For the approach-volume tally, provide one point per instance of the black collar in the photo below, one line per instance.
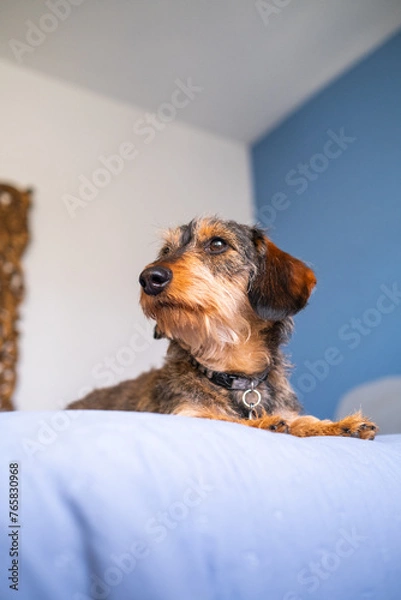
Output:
(230, 381)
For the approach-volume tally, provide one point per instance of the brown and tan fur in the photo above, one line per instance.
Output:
(229, 304)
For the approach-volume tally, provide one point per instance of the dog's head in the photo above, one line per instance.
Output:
(214, 280)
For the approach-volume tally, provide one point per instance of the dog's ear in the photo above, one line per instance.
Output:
(281, 285)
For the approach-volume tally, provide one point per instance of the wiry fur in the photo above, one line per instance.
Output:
(232, 311)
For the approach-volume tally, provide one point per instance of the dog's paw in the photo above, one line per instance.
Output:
(273, 423)
(357, 426)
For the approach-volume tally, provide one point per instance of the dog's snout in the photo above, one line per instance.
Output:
(155, 279)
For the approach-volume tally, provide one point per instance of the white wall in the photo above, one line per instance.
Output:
(81, 311)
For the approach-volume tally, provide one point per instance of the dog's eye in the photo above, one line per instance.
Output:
(216, 246)
(164, 251)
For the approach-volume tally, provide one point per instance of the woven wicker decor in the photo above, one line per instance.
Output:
(14, 237)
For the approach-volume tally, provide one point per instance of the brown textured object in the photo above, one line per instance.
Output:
(14, 236)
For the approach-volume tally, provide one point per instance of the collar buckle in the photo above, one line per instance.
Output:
(223, 379)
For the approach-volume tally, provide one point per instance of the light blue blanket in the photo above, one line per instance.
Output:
(151, 507)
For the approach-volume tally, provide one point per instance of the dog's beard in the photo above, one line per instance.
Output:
(197, 329)
(212, 320)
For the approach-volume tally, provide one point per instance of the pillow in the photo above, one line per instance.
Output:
(123, 505)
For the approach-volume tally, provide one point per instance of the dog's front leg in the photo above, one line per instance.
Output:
(355, 425)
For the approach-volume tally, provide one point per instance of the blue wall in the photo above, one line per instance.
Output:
(328, 188)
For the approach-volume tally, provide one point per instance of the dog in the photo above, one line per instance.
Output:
(224, 296)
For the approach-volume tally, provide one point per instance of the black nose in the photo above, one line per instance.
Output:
(155, 279)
